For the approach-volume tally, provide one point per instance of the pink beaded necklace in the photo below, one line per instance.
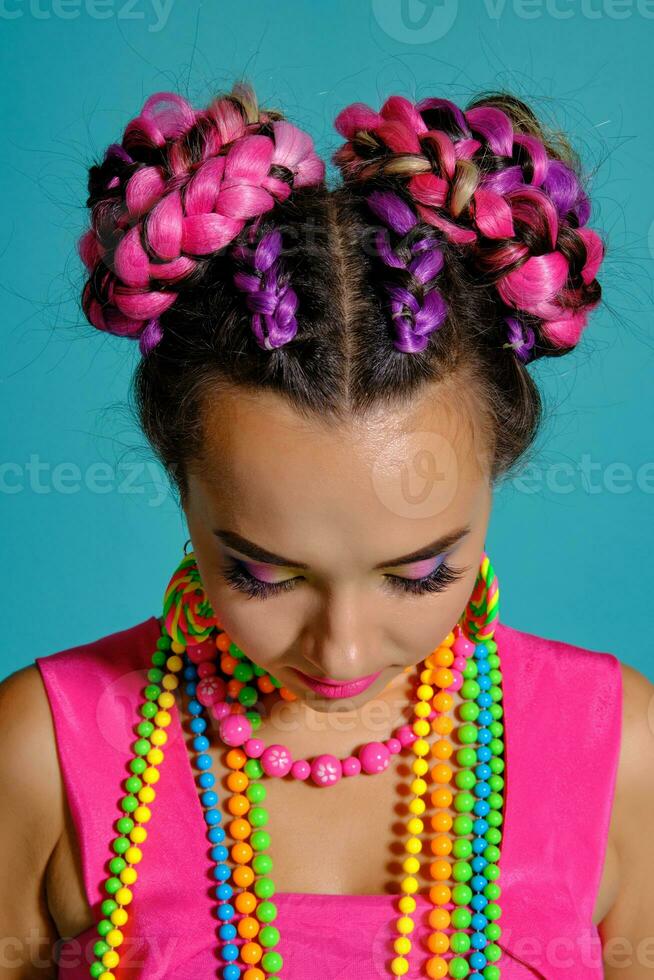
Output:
(222, 681)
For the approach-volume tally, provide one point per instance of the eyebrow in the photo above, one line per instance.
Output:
(254, 551)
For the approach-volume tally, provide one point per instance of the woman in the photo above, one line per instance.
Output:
(303, 349)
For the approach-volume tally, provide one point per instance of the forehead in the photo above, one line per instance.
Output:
(277, 477)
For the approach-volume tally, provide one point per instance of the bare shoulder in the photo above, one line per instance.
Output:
(31, 822)
(29, 765)
(628, 928)
(22, 695)
(636, 766)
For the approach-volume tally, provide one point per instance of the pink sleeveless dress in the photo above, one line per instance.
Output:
(563, 718)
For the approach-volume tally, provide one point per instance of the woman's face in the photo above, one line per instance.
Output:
(303, 533)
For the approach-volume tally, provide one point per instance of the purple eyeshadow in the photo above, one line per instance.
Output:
(270, 576)
(265, 573)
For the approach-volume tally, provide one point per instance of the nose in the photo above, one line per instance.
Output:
(340, 643)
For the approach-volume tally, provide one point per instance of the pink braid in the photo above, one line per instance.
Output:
(498, 192)
(161, 221)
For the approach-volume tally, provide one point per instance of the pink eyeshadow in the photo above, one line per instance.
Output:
(265, 573)
(423, 568)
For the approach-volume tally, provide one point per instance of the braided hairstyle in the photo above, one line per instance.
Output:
(456, 237)
(181, 187)
(487, 181)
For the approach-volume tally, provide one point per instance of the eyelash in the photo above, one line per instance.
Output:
(237, 576)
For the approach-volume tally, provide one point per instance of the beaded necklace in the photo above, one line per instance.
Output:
(222, 680)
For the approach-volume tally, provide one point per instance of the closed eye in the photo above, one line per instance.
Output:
(240, 579)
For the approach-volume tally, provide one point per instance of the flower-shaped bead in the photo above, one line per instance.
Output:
(210, 690)
(276, 760)
(326, 770)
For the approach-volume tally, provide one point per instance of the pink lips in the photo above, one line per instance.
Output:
(329, 688)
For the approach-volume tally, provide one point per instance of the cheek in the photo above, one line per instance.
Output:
(249, 624)
(432, 618)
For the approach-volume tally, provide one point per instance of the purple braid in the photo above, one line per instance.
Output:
(414, 320)
(269, 296)
(494, 185)
(521, 338)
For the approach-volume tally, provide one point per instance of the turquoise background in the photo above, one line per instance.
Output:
(573, 556)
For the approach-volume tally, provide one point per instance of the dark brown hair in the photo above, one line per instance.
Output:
(342, 360)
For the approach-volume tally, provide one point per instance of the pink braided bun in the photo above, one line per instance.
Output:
(515, 209)
(180, 188)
